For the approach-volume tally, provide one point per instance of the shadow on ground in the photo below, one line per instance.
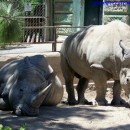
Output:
(60, 117)
(79, 117)
(69, 117)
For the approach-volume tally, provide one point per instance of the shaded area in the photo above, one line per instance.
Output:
(54, 117)
(80, 117)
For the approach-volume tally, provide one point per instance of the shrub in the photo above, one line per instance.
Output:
(10, 26)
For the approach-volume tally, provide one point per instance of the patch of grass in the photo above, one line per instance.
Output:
(2, 127)
(5, 127)
(23, 127)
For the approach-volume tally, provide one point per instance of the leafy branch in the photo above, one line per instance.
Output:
(10, 26)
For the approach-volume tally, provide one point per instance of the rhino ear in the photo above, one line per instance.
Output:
(125, 50)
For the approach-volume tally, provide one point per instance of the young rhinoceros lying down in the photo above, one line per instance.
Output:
(28, 83)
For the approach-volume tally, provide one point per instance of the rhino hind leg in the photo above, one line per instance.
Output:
(81, 87)
(117, 100)
(71, 95)
(68, 75)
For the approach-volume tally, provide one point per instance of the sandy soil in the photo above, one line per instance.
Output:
(79, 117)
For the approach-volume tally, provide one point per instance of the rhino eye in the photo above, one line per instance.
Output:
(21, 90)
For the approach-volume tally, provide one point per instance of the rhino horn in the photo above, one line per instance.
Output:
(39, 97)
(125, 50)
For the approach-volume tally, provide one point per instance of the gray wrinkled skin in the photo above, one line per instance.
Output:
(98, 53)
(28, 83)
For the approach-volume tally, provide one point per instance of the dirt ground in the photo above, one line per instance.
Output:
(78, 117)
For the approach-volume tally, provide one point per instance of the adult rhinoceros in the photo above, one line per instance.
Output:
(28, 83)
(98, 53)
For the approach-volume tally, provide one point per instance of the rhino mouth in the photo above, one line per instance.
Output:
(26, 111)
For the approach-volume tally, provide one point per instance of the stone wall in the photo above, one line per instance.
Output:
(53, 59)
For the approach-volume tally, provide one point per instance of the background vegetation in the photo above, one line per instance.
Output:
(10, 25)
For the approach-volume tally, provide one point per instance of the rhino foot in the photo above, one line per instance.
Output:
(118, 102)
(100, 102)
(85, 102)
(72, 102)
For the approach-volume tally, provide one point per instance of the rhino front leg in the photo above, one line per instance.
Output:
(117, 100)
(101, 92)
(100, 79)
(69, 77)
(81, 87)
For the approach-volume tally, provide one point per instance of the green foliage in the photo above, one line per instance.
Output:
(10, 31)
(1, 126)
(10, 26)
(23, 127)
(34, 1)
(5, 127)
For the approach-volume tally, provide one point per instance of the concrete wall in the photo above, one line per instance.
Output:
(53, 59)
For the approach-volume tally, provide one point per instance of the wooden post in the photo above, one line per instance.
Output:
(49, 20)
(128, 20)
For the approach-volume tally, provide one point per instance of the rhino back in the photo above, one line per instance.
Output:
(42, 64)
(71, 50)
(97, 45)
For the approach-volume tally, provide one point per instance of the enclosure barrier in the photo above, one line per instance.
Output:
(54, 28)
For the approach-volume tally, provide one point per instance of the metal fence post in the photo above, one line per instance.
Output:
(55, 41)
